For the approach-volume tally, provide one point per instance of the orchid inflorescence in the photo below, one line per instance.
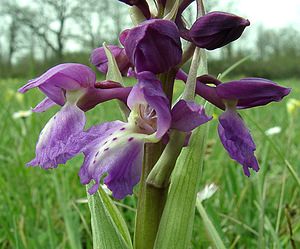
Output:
(149, 52)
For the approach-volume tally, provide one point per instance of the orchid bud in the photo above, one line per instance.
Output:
(154, 46)
(99, 59)
(217, 29)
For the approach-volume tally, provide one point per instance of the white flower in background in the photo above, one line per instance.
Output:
(207, 192)
(292, 105)
(22, 114)
(273, 131)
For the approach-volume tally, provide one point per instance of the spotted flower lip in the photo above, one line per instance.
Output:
(154, 46)
(217, 29)
(119, 150)
(99, 59)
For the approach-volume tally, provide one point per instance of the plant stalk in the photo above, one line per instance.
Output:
(151, 200)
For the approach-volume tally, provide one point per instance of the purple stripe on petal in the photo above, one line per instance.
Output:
(51, 148)
(237, 140)
(61, 78)
(187, 115)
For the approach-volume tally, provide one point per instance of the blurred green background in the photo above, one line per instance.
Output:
(47, 209)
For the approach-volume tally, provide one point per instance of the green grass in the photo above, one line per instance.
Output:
(40, 209)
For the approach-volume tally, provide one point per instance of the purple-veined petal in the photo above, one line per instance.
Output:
(237, 140)
(251, 92)
(141, 4)
(148, 91)
(187, 115)
(61, 78)
(44, 105)
(51, 148)
(119, 153)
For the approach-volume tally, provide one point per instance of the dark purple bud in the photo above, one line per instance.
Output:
(99, 59)
(141, 4)
(154, 46)
(217, 29)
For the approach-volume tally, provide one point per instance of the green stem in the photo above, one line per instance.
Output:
(150, 202)
(151, 199)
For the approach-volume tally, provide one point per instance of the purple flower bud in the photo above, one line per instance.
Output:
(141, 4)
(154, 46)
(99, 59)
(216, 29)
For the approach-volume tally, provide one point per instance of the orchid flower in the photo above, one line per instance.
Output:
(233, 95)
(153, 46)
(72, 87)
(119, 150)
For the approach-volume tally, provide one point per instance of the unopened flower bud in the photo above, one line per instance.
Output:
(217, 29)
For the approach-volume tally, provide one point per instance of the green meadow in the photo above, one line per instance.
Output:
(48, 209)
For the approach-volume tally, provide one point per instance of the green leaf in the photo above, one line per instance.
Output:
(113, 72)
(108, 226)
(175, 229)
(209, 226)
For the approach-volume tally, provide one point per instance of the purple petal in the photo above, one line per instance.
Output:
(154, 46)
(216, 29)
(44, 105)
(53, 146)
(252, 92)
(237, 140)
(61, 78)
(187, 115)
(117, 153)
(99, 59)
(148, 91)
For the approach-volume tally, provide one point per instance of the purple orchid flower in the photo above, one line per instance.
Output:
(153, 46)
(118, 151)
(72, 87)
(99, 59)
(233, 95)
(141, 4)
